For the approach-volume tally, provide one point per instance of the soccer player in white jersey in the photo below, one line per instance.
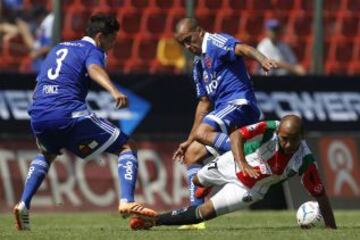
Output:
(226, 97)
(276, 151)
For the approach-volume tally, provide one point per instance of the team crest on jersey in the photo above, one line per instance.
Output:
(207, 61)
(205, 77)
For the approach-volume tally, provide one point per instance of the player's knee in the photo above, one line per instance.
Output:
(201, 135)
(196, 181)
(196, 152)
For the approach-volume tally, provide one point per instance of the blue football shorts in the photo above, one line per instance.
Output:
(232, 116)
(85, 136)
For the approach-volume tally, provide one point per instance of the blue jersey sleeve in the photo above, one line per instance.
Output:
(226, 51)
(95, 56)
(197, 75)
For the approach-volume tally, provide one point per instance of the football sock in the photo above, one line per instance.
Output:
(38, 169)
(187, 215)
(222, 143)
(127, 171)
(192, 171)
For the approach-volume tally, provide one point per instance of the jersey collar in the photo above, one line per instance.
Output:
(90, 40)
(204, 43)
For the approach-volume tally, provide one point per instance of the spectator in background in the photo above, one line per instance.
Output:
(272, 47)
(40, 44)
(10, 12)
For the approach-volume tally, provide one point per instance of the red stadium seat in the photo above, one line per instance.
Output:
(139, 3)
(145, 47)
(336, 68)
(301, 49)
(284, 5)
(303, 24)
(137, 66)
(103, 9)
(350, 25)
(262, 5)
(331, 25)
(328, 51)
(238, 4)
(130, 20)
(332, 5)
(254, 24)
(89, 3)
(354, 68)
(75, 21)
(306, 5)
(344, 51)
(213, 4)
(15, 48)
(116, 3)
(154, 21)
(168, 4)
(66, 4)
(173, 18)
(206, 20)
(123, 48)
(228, 22)
(353, 5)
(115, 66)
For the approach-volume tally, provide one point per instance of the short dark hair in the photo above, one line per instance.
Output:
(106, 24)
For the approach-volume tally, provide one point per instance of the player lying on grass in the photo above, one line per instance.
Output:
(275, 150)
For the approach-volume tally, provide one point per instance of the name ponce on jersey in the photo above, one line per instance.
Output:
(50, 89)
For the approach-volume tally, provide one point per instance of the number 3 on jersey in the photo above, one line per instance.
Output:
(61, 53)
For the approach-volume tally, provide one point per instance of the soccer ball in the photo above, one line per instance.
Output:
(308, 214)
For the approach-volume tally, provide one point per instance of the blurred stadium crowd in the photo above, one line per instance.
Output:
(145, 40)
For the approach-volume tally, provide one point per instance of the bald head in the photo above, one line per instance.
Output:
(186, 25)
(290, 133)
(291, 124)
(190, 35)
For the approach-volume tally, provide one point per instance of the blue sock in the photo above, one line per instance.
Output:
(38, 169)
(192, 171)
(222, 143)
(127, 171)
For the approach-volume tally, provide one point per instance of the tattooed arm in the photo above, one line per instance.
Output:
(250, 52)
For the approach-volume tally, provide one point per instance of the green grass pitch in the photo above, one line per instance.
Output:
(247, 225)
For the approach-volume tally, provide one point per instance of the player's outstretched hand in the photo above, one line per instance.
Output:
(179, 154)
(269, 64)
(121, 100)
(246, 169)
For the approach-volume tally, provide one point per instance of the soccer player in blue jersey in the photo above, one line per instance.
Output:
(226, 96)
(60, 117)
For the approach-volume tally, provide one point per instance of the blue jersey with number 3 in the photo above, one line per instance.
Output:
(63, 82)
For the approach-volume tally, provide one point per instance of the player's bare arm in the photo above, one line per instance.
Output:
(326, 210)
(99, 75)
(248, 51)
(237, 147)
(203, 108)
